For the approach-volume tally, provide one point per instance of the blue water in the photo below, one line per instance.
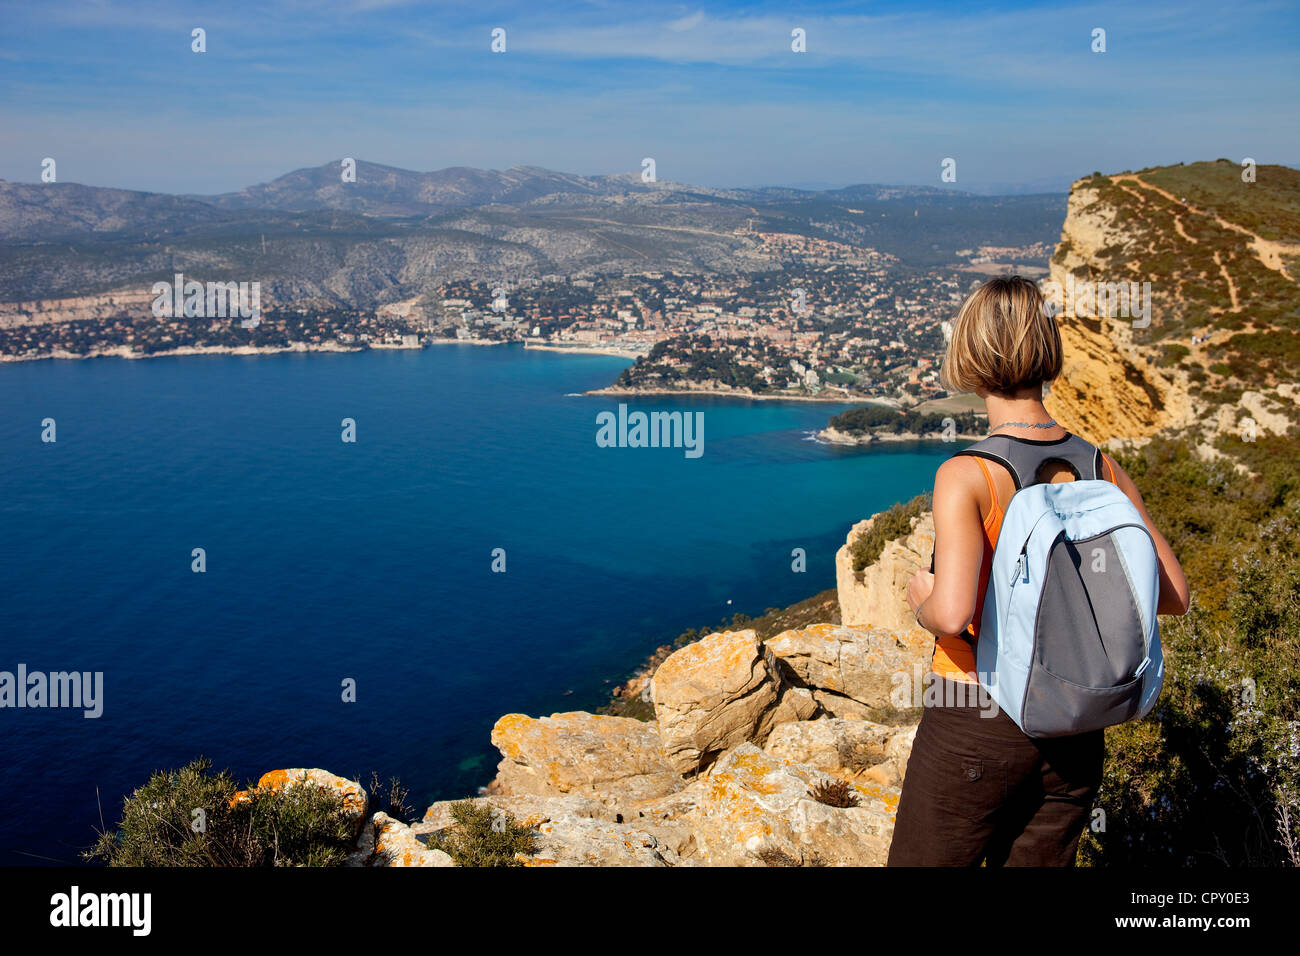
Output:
(370, 561)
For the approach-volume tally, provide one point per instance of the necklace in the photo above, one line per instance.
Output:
(1047, 424)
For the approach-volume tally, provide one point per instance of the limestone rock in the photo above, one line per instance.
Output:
(837, 705)
(878, 594)
(1108, 388)
(586, 842)
(608, 759)
(527, 808)
(396, 844)
(718, 692)
(866, 664)
(831, 743)
(1268, 415)
(572, 830)
(365, 849)
(754, 809)
(795, 703)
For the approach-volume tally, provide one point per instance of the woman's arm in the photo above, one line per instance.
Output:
(1174, 595)
(945, 601)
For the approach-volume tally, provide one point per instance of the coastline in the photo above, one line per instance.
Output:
(622, 392)
(442, 341)
(833, 436)
(125, 352)
(583, 350)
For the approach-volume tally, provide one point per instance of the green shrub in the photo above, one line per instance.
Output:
(1212, 777)
(1173, 354)
(889, 526)
(186, 818)
(482, 836)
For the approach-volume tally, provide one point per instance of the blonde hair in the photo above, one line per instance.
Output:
(1003, 340)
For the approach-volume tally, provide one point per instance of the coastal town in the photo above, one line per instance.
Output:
(828, 320)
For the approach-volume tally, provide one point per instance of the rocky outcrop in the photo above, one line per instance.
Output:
(352, 795)
(134, 303)
(739, 726)
(861, 663)
(1207, 294)
(848, 748)
(607, 759)
(393, 843)
(573, 830)
(527, 808)
(588, 842)
(877, 595)
(719, 692)
(1109, 387)
(752, 808)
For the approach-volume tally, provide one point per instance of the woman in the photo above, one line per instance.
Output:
(977, 788)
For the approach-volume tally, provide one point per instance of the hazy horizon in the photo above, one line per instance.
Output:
(712, 91)
(990, 189)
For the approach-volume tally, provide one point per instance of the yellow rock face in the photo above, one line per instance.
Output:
(878, 595)
(719, 692)
(1108, 388)
(604, 758)
(860, 662)
(753, 807)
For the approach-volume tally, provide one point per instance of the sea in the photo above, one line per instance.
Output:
(257, 590)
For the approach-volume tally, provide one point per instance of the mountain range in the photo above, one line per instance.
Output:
(393, 233)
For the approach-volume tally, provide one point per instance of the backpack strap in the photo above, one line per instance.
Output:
(1023, 457)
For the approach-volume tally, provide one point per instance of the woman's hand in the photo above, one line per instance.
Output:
(919, 588)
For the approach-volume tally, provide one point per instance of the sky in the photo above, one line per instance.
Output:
(714, 93)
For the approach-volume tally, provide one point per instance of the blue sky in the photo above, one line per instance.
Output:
(885, 91)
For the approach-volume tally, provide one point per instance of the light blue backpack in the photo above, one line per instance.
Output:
(1068, 640)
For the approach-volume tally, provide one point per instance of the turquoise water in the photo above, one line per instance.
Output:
(372, 561)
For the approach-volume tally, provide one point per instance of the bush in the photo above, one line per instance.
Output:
(482, 836)
(185, 818)
(390, 798)
(889, 526)
(1212, 777)
(1173, 354)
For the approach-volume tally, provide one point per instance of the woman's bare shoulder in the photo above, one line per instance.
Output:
(959, 475)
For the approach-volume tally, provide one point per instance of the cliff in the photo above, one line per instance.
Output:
(1176, 289)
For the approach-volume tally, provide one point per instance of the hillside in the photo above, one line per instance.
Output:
(1223, 261)
(395, 234)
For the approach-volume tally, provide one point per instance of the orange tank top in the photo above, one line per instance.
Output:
(954, 657)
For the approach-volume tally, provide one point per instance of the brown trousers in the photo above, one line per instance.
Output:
(978, 790)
